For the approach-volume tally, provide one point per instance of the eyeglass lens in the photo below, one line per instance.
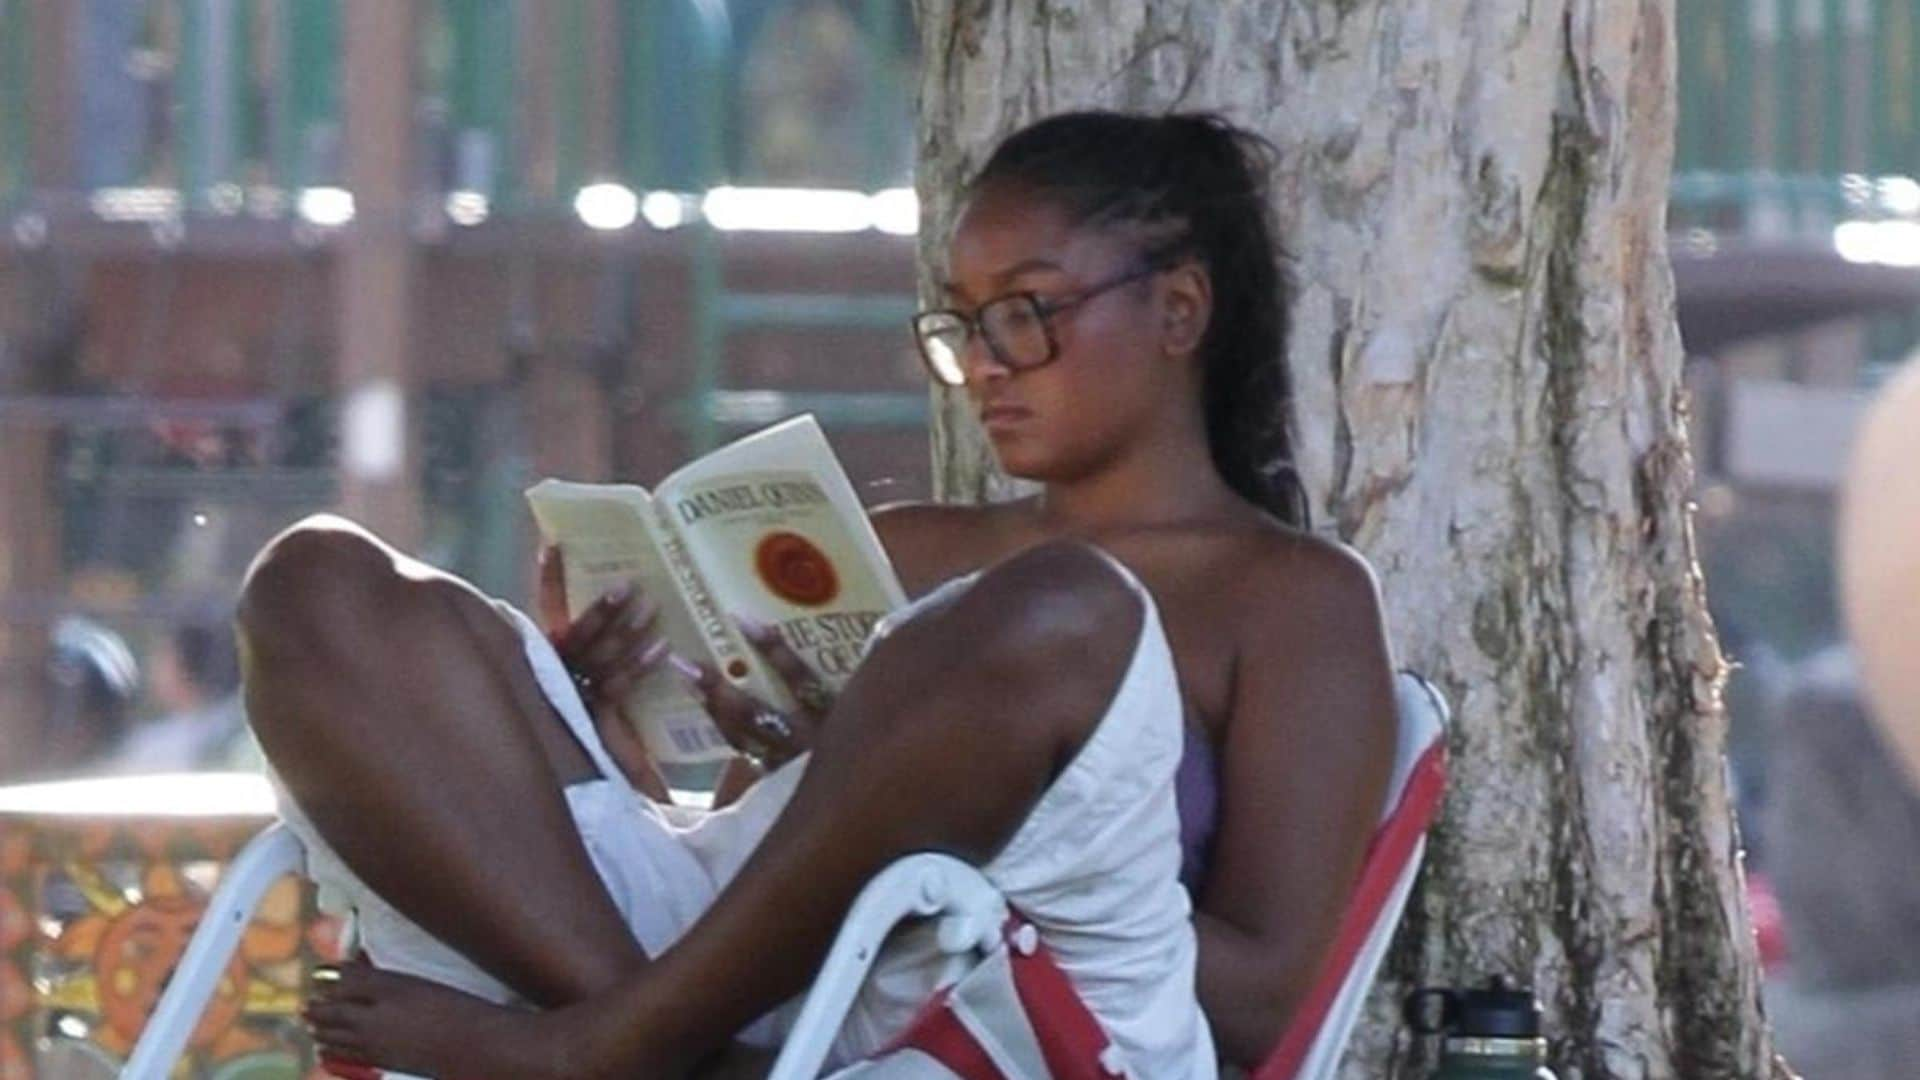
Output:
(1015, 330)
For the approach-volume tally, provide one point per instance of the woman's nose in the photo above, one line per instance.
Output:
(979, 361)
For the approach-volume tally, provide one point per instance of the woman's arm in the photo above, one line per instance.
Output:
(1304, 769)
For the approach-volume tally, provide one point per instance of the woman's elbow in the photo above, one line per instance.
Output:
(1249, 1025)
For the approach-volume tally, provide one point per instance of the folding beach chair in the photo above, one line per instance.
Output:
(1013, 1015)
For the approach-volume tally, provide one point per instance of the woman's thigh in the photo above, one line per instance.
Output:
(401, 712)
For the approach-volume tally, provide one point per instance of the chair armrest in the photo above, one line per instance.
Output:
(971, 912)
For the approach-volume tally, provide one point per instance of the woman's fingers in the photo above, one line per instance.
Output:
(606, 633)
(344, 982)
(747, 724)
(619, 681)
(731, 709)
(611, 642)
(584, 631)
(813, 695)
(552, 597)
(344, 1060)
(335, 1026)
(622, 641)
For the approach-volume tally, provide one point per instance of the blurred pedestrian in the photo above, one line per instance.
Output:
(92, 680)
(194, 681)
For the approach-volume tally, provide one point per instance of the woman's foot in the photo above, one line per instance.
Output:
(376, 1018)
(366, 1020)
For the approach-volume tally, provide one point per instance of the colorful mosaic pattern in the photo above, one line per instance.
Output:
(95, 912)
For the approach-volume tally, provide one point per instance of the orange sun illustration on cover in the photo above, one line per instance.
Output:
(796, 571)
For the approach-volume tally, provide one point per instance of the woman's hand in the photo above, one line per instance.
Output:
(607, 650)
(767, 736)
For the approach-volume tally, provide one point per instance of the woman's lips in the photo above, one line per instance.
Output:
(1003, 415)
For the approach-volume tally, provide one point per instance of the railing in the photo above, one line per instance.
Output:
(524, 102)
(1778, 98)
(1796, 114)
(1800, 126)
(16, 117)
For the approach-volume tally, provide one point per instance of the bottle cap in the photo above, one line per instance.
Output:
(1496, 1011)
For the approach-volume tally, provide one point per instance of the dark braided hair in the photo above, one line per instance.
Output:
(1197, 187)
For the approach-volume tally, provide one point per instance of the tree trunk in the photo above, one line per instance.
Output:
(1488, 405)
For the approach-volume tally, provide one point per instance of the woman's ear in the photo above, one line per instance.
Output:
(1186, 308)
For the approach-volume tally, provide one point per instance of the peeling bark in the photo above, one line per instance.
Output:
(1488, 404)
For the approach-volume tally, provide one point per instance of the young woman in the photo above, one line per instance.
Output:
(1115, 312)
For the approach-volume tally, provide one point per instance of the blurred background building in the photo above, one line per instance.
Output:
(1795, 229)
(262, 257)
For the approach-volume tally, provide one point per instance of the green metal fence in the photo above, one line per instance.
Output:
(1782, 101)
(524, 102)
(16, 121)
(1778, 98)
(306, 111)
(246, 95)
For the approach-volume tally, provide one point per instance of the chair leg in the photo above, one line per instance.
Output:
(268, 857)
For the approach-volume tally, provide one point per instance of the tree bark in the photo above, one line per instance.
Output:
(1488, 405)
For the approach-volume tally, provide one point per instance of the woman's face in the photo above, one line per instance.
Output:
(1110, 376)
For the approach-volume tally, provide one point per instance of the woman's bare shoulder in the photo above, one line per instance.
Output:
(1299, 581)
(1314, 664)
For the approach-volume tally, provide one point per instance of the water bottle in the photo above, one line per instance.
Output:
(1488, 1034)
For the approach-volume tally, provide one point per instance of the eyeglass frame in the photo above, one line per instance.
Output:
(1043, 310)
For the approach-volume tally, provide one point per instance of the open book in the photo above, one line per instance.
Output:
(767, 528)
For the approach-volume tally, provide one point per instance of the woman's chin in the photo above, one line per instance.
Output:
(1024, 455)
(1029, 467)
(1017, 460)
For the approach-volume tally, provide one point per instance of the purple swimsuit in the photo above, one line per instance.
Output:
(1196, 791)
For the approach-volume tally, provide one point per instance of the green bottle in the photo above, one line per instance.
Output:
(1487, 1034)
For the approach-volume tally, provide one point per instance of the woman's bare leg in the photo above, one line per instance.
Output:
(398, 707)
(945, 739)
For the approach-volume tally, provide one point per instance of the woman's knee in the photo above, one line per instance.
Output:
(1053, 627)
(1060, 596)
(315, 572)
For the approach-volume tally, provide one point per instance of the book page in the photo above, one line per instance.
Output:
(605, 541)
(780, 537)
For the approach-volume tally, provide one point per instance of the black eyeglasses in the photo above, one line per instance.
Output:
(1014, 326)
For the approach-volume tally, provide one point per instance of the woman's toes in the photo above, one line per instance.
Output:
(339, 1045)
(347, 1066)
(323, 1011)
(357, 982)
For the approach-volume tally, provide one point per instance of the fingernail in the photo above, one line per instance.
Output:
(685, 666)
(640, 615)
(326, 973)
(755, 629)
(618, 595)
